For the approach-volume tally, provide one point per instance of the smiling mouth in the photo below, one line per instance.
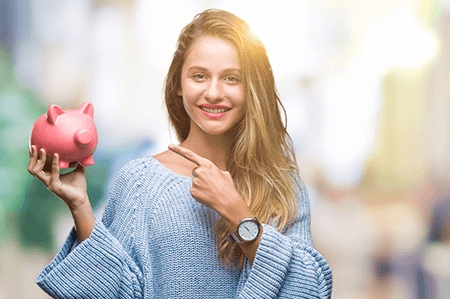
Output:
(214, 111)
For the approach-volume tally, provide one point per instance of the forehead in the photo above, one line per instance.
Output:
(212, 53)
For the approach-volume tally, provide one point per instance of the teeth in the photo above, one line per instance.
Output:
(214, 110)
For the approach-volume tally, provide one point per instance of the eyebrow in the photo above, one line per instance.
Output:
(196, 67)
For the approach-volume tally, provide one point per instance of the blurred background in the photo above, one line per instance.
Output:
(366, 86)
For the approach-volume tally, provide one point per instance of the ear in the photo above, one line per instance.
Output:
(53, 112)
(87, 108)
(180, 92)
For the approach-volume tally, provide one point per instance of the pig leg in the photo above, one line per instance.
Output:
(88, 161)
(63, 164)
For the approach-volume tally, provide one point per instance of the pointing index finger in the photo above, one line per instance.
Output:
(185, 153)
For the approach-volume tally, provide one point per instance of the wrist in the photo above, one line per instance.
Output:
(80, 205)
(84, 220)
(234, 212)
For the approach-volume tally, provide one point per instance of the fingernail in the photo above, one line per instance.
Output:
(171, 146)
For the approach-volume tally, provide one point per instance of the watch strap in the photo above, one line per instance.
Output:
(234, 236)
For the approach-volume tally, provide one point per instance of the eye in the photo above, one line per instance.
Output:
(199, 76)
(233, 79)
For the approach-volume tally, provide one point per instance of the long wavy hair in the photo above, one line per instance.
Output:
(262, 159)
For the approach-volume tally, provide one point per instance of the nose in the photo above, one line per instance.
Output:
(214, 90)
(82, 138)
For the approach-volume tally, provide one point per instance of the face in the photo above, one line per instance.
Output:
(211, 81)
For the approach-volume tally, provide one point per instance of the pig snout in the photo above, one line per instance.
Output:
(82, 138)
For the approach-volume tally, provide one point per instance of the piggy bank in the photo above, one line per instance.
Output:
(69, 133)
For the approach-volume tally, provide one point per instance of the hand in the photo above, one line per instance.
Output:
(215, 189)
(70, 187)
(211, 186)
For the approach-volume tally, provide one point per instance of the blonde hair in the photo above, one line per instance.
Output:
(262, 159)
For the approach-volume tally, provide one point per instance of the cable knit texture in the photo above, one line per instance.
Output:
(156, 241)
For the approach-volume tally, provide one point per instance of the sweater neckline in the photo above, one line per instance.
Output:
(170, 170)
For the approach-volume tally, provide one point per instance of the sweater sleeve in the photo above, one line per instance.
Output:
(98, 267)
(286, 265)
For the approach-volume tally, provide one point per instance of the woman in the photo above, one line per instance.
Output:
(222, 215)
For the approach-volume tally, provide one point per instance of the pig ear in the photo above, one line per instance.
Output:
(87, 108)
(53, 112)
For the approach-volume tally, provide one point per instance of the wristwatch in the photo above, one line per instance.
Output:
(248, 230)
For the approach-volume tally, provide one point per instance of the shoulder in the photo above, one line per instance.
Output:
(303, 205)
(137, 165)
(165, 167)
(144, 169)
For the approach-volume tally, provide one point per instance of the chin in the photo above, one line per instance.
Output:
(215, 132)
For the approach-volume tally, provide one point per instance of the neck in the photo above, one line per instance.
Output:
(211, 147)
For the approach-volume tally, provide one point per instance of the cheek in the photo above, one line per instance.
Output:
(241, 109)
(191, 90)
(241, 93)
(235, 94)
(241, 113)
(186, 104)
(189, 104)
(240, 98)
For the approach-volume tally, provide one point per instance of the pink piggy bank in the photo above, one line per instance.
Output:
(70, 133)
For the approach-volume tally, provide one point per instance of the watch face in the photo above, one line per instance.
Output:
(248, 230)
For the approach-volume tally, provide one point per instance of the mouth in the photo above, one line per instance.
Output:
(215, 110)
(214, 113)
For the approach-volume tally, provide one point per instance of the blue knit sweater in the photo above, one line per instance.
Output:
(156, 241)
